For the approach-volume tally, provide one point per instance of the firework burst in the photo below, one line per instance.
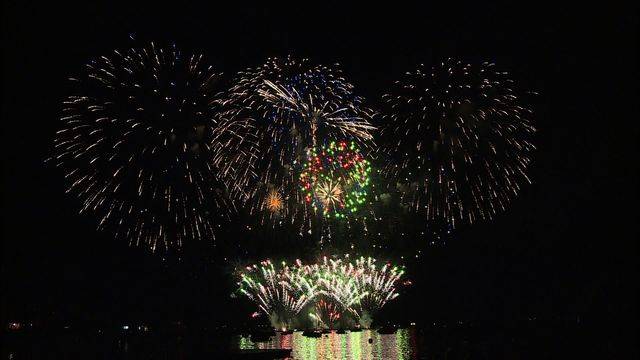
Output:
(274, 202)
(360, 288)
(293, 105)
(460, 137)
(338, 291)
(140, 145)
(378, 285)
(281, 294)
(335, 179)
(342, 291)
(326, 314)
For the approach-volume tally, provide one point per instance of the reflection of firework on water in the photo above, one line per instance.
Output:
(292, 104)
(342, 292)
(281, 294)
(335, 179)
(460, 136)
(141, 143)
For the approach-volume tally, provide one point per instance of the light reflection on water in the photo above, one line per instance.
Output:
(352, 345)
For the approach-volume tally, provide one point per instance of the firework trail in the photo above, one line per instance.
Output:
(337, 286)
(326, 314)
(359, 287)
(339, 291)
(142, 146)
(460, 136)
(378, 286)
(280, 294)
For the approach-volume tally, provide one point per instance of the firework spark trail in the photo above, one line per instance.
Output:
(326, 314)
(281, 294)
(375, 286)
(341, 119)
(337, 288)
(293, 105)
(461, 139)
(378, 284)
(142, 145)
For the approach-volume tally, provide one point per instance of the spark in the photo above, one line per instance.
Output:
(274, 201)
(292, 105)
(143, 146)
(460, 140)
(335, 179)
(338, 289)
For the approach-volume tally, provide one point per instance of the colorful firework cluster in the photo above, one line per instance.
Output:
(331, 293)
(295, 106)
(160, 152)
(335, 179)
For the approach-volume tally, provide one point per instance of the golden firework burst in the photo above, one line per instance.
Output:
(330, 193)
(274, 201)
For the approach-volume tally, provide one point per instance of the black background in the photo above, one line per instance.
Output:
(565, 250)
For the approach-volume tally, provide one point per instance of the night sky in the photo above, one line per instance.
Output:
(565, 248)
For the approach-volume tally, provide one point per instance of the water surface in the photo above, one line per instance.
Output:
(352, 345)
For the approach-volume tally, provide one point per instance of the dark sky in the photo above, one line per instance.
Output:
(565, 248)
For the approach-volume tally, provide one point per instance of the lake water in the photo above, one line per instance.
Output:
(536, 341)
(352, 345)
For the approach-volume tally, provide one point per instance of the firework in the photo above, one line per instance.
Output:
(361, 288)
(460, 137)
(335, 179)
(326, 314)
(281, 294)
(342, 292)
(378, 286)
(293, 105)
(274, 202)
(141, 145)
(338, 291)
